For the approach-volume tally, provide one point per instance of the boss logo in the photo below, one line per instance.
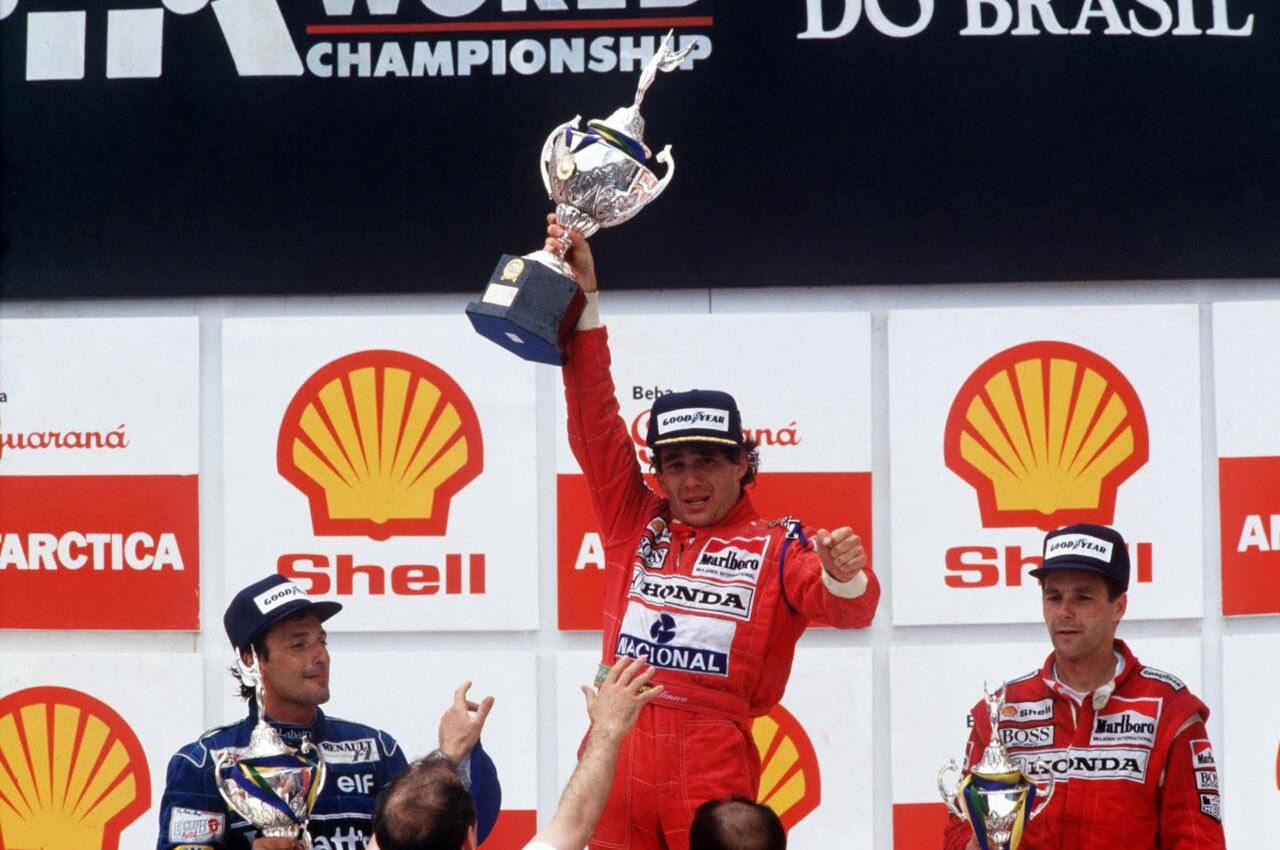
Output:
(1027, 737)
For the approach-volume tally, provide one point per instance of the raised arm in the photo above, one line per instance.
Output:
(613, 710)
(826, 576)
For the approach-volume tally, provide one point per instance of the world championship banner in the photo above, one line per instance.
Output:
(384, 463)
(99, 455)
(814, 433)
(1008, 423)
(248, 146)
(1245, 347)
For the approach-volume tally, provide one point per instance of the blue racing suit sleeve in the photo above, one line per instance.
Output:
(486, 791)
(192, 813)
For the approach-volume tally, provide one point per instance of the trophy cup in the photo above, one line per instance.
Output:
(597, 178)
(270, 784)
(996, 797)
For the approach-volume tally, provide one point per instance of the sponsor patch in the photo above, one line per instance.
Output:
(269, 600)
(192, 825)
(1085, 764)
(1079, 544)
(1134, 723)
(1207, 780)
(1211, 805)
(732, 560)
(705, 418)
(655, 542)
(359, 751)
(1025, 712)
(1202, 754)
(687, 594)
(1161, 676)
(676, 641)
(1027, 737)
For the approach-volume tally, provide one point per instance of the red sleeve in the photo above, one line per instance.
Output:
(1190, 801)
(599, 438)
(810, 597)
(958, 832)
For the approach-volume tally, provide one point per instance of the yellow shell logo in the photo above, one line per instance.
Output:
(790, 782)
(1046, 432)
(380, 442)
(72, 772)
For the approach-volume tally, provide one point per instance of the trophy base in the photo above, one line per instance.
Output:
(529, 307)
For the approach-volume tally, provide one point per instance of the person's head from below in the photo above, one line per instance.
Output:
(1084, 583)
(425, 808)
(737, 823)
(700, 456)
(274, 624)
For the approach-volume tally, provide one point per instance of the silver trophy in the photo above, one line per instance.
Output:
(597, 177)
(996, 797)
(269, 783)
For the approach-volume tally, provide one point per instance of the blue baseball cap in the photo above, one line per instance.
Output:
(261, 605)
(706, 416)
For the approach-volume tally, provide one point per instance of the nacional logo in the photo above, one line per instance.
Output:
(790, 781)
(1045, 433)
(380, 442)
(682, 642)
(75, 774)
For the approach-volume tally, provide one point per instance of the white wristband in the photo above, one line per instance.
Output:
(590, 317)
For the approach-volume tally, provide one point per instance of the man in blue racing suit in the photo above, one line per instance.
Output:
(275, 620)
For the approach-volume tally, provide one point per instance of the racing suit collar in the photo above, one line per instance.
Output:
(742, 511)
(293, 733)
(1103, 693)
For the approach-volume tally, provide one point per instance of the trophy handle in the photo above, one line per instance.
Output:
(1052, 786)
(664, 157)
(950, 797)
(545, 158)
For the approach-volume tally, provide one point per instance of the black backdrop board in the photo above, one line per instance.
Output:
(192, 147)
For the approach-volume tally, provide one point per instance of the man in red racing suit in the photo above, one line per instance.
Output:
(696, 582)
(1125, 743)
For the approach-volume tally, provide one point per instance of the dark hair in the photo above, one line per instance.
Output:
(729, 453)
(424, 808)
(737, 823)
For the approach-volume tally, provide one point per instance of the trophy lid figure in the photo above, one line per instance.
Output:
(700, 525)
(1129, 740)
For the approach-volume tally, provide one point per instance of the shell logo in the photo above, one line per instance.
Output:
(790, 781)
(380, 442)
(1046, 432)
(72, 772)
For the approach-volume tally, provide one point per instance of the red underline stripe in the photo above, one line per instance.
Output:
(508, 26)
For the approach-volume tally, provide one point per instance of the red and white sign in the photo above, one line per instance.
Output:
(1246, 359)
(99, 455)
(932, 690)
(814, 431)
(404, 694)
(815, 747)
(385, 463)
(1006, 423)
(1248, 753)
(67, 712)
